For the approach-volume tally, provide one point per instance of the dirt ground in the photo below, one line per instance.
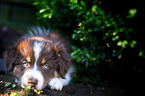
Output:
(82, 89)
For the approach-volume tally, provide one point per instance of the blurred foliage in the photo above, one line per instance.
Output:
(99, 40)
(131, 13)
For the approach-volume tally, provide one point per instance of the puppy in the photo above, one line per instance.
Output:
(40, 59)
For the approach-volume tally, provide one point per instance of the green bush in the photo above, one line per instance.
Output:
(99, 40)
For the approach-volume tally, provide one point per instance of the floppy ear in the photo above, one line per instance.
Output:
(64, 61)
(9, 57)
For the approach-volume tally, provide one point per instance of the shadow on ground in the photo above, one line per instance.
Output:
(82, 89)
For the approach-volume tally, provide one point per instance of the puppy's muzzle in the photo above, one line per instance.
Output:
(32, 82)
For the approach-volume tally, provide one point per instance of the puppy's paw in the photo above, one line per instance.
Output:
(56, 84)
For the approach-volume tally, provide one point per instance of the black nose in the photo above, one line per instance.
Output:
(32, 82)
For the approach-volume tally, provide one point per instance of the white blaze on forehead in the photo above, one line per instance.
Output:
(34, 72)
(37, 49)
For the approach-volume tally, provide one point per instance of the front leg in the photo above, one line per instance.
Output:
(55, 83)
(58, 83)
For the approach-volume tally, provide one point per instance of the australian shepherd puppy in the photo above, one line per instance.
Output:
(40, 59)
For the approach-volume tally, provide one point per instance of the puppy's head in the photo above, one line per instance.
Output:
(35, 61)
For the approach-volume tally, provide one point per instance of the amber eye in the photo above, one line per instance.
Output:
(25, 64)
(45, 67)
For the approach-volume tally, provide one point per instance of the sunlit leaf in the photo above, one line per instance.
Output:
(132, 13)
(133, 43)
(141, 54)
(94, 8)
(14, 85)
(42, 10)
(119, 43)
(7, 84)
(45, 15)
(114, 33)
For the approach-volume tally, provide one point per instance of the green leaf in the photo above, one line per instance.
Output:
(133, 43)
(14, 85)
(45, 15)
(35, 3)
(124, 44)
(42, 10)
(71, 6)
(88, 55)
(74, 48)
(73, 36)
(7, 84)
(141, 54)
(94, 8)
(38, 92)
(80, 13)
(78, 59)
(114, 33)
(115, 38)
(83, 4)
(73, 1)
(132, 13)
(119, 43)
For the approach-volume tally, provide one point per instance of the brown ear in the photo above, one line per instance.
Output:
(9, 57)
(64, 61)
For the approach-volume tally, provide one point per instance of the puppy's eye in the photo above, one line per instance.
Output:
(25, 64)
(45, 67)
